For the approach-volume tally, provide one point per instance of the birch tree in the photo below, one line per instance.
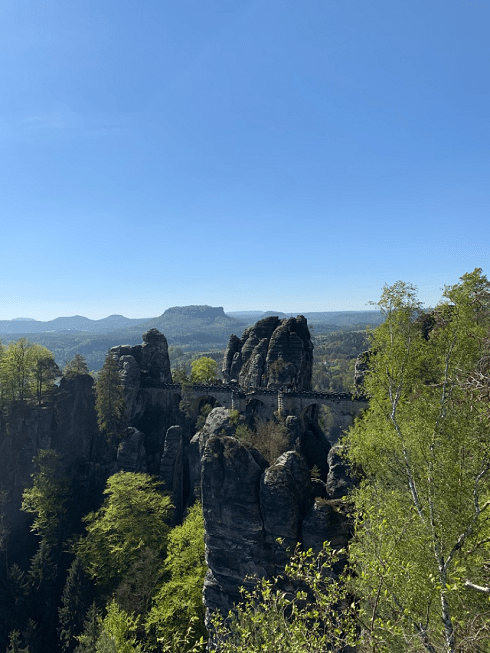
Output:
(421, 553)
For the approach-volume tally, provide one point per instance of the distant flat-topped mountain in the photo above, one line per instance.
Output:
(185, 320)
(197, 328)
(180, 320)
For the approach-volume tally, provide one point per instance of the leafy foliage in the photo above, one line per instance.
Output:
(132, 518)
(118, 632)
(27, 371)
(270, 437)
(306, 610)
(180, 597)
(204, 370)
(424, 449)
(75, 602)
(47, 497)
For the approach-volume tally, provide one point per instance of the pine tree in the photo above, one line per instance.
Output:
(15, 643)
(78, 365)
(75, 602)
(110, 403)
(87, 641)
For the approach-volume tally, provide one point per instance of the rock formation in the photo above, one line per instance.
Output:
(68, 424)
(131, 455)
(172, 469)
(361, 367)
(142, 366)
(249, 504)
(272, 354)
(151, 358)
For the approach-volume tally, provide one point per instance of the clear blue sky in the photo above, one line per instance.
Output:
(289, 155)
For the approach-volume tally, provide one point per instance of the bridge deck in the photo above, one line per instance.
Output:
(230, 389)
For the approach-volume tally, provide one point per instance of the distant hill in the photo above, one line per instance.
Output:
(195, 328)
(74, 323)
(340, 318)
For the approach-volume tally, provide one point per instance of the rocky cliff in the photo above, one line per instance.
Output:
(68, 424)
(272, 354)
(255, 512)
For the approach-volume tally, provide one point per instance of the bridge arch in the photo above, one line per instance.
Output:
(257, 409)
(204, 400)
(310, 412)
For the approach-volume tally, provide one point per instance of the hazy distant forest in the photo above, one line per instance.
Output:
(113, 576)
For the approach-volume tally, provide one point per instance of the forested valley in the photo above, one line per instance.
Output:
(110, 569)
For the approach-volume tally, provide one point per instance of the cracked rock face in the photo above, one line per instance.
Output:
(151, 358)
(235, 539)
(272, 354)
(249, 505)
(131, 454)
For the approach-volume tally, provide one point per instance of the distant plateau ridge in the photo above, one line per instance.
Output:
(181, 319)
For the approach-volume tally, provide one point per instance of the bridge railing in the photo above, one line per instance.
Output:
(233, 388)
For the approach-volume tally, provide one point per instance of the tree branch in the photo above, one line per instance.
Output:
(477, 588)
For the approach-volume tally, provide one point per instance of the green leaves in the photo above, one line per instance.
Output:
(47, 497)
(303, 611)
(78, 365)
(424, 448)
(27, 370)
(132, 518)
(180, 598)
(204, 370)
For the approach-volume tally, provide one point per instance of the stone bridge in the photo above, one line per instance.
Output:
(264, 402)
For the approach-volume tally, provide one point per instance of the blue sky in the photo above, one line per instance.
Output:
(288, 155)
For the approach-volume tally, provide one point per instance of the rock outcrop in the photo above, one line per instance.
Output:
(235, 539)
(66, 423)
(172, 469)
(360, 369)
(131, 454)
(143, 363)
(255, 513)
(339, 478)
(272, 354)
(141, 368)
(285, 490)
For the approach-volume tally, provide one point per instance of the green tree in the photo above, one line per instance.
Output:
(26, 370)
(204, 370)
(75, 602)
(179, 599)
(46, 498)
(87, 641)
(180, 375)
(15, 643)
(110, 403)
(306, 610)
(132, 518)
(118, 632)
(78, 365)
(424, 451)
(45, 373)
